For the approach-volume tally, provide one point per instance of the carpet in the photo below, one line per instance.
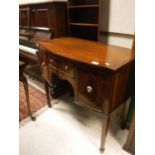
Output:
(37, 101)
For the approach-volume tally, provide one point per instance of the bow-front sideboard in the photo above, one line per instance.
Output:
(97, 74)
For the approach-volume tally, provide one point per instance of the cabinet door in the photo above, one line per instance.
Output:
(32, 18)
(23, 17)
(91, 88)
(41, 18)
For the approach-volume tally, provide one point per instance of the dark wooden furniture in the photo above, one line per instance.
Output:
(97, 73)
(83, 18)
(39, 22)
(28, 39)
(23, 79)
(130, 143)
(28, 48)
(51, 15)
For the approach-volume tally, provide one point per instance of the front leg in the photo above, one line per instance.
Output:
(47, 93)
(105, 126)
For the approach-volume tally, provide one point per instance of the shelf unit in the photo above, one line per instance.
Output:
(84, 24)
(83, 18)
(83, 6)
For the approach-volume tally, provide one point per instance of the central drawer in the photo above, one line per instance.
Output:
(64, 67)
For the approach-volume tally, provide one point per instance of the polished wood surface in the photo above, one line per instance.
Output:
(95, 74)
(89, 52)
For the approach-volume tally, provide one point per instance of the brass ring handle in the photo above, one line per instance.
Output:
(43, 64)
(52, 62)
(89, 89)
(66, 67)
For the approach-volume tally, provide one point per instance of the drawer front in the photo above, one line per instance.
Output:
(91, 88)
(62, 66)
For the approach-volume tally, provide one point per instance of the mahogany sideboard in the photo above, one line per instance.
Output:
(97, 73)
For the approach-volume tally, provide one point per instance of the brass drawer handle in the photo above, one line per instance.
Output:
(53, 62)
(43, 64)
(89, 89)
(66, 67)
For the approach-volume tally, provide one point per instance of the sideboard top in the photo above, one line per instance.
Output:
(89, 52)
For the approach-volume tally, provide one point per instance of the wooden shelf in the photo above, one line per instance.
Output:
(83, 18)
(84, 24)
(83, 6)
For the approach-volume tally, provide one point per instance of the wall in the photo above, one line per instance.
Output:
(118, 20)
(117, 39)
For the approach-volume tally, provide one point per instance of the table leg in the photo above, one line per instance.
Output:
(47, 93)
(105, 126)
(27, 98)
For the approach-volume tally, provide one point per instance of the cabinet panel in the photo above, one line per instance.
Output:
(91, 87)
(32, 18)
(41, 18)
(23, 18)
(51, 16)
(119, 87)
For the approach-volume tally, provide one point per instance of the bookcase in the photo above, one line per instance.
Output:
(83, 18)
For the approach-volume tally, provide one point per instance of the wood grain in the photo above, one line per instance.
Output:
(84, 51)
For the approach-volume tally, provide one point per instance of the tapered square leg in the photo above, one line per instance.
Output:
(105, 126)
(47, 93)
